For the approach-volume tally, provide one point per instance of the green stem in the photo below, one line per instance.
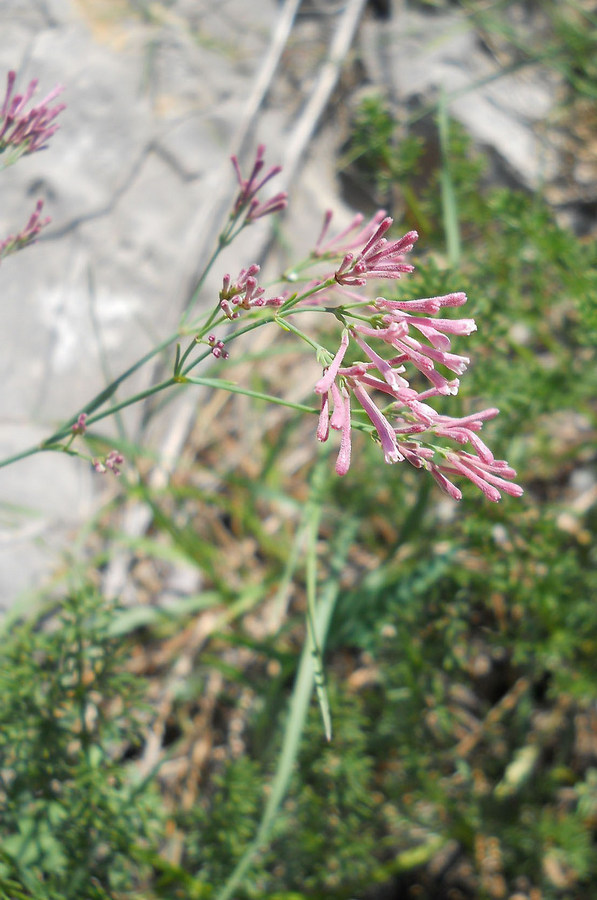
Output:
(449, 203)
(225, 238)
(230, 337)
(181, 360)
(130, 401)
(297, 713)
(279, 315)
(233, 388)
(110, 390)
(284, 323)
(292, 301)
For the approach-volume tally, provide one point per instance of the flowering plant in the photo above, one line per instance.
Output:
(389, 334)
(405, 428)
(387, 363)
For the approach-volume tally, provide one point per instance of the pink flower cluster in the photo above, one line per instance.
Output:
(217, 347)
(80, 426)
(112, 462)
(346, 240)
(26, 132)
(379, 258)
(407, 427)
(391, 334)
(23, 132)
(28, 235)
(249, 187)
(245, 293)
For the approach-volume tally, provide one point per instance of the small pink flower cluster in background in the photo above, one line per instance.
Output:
(245, 293)
(80, 426)
(249, 187)
(111, 462)
(217, 347)
(406, 427)
(26, 132)
(27, 236)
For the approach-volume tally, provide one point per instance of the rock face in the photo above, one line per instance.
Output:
(151, 105)
(419, 56)
(500, 84)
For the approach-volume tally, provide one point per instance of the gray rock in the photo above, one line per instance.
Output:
(418, 56)
(151, 108)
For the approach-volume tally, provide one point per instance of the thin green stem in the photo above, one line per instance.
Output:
(130, 401)
(180, 360)
(103, 356)
(311, 578)
(298, 298)
(233, 388)
(201, 281)
(182, 374)
(108, 391)
(283, 322)
(449, 203)
(297, 713)
(224, 239)
(230, 337)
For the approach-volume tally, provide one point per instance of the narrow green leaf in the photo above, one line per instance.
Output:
(299, 705)
(312, 641)
(449, 205)
(234, 388)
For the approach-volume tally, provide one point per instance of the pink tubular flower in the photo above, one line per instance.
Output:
(340, 418)
(379, 258)
(463, 431)
(490, 478)
(351, 377)
(386, 433)
(114, 460)
(426, 305)
(340, 421)
(245, 293)
(325, 382)
(26, 132)
(28, 235)
(420, 355)
(246, 200)
(345, 451)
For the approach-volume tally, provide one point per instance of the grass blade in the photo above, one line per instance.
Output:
(449, 205)
(299, 705)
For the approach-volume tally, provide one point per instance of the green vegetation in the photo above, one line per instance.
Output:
(72, 812)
